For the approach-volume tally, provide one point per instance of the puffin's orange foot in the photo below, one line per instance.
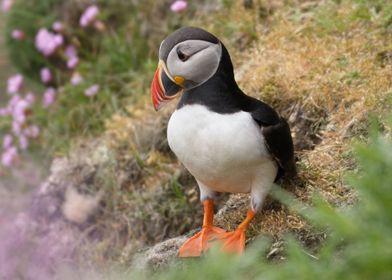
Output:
(234, 242)
(200, 242)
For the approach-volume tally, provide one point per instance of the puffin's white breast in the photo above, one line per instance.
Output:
(223, 151)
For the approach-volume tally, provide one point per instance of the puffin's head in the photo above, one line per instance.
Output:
(188, 57)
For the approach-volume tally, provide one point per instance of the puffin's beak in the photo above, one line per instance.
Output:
(163, 89)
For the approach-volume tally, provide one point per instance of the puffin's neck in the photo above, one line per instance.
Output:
(220, 93)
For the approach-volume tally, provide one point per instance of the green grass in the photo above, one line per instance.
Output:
(5, 67)
(29, 17)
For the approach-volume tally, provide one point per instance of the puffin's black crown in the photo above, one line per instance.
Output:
(184, 34)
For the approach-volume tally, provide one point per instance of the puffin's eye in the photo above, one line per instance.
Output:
(182, 56)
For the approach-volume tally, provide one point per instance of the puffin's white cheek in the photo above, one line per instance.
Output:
(199, 67)
(202, 65)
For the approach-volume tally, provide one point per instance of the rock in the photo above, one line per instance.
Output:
(78, 207)
(160, 255)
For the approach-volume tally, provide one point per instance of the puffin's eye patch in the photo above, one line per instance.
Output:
(182, 56)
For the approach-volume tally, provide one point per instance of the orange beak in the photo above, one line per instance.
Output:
(163, 89)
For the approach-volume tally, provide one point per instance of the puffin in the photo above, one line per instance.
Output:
(229, 142)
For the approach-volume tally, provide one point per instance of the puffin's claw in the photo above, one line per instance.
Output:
(201, 241)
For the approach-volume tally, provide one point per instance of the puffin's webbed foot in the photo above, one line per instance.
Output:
(234, 242)
(200, 242)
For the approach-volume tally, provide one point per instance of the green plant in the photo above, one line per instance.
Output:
(29, 17)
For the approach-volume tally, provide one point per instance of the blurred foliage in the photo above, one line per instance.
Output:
(330, 18)
(29, 17)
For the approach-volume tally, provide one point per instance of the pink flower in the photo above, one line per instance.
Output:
(46, 75)
(16, 127)
(58, 39)
(47, 42)
(72, 62)
(58, 26)
(13, 101)
(4, 112)
(89, 15)
(18, 35)
(32, 131)
(15, 84)
(100, 26)
(49, 97)
(7, 141)
(30, 98)
(6, 5)
(19, 111)
(9, 156)
(23, 142)
(91, 91)
(76, 79)
(178, 6)
(70, 52)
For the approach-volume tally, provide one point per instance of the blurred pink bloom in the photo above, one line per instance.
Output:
(15, 84)
(9, 156)
(19, 111)
(16, 127)
(32, 131)
(76, 79)
(58, 26)
(178, 6)
(70, 52)
(23, 142)
(18, 35)
(72, 62)
(58, 39)
(7, 141)
(30, 98)
(49, 97)
(4, 112)
(91, 91)
(100, 26)
(6, 5)
(46, 75)
(13, 101)
(47, 42)
(19, 117)
(89, 15)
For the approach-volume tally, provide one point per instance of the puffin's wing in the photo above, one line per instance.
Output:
(276, 132)
(280, 144)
